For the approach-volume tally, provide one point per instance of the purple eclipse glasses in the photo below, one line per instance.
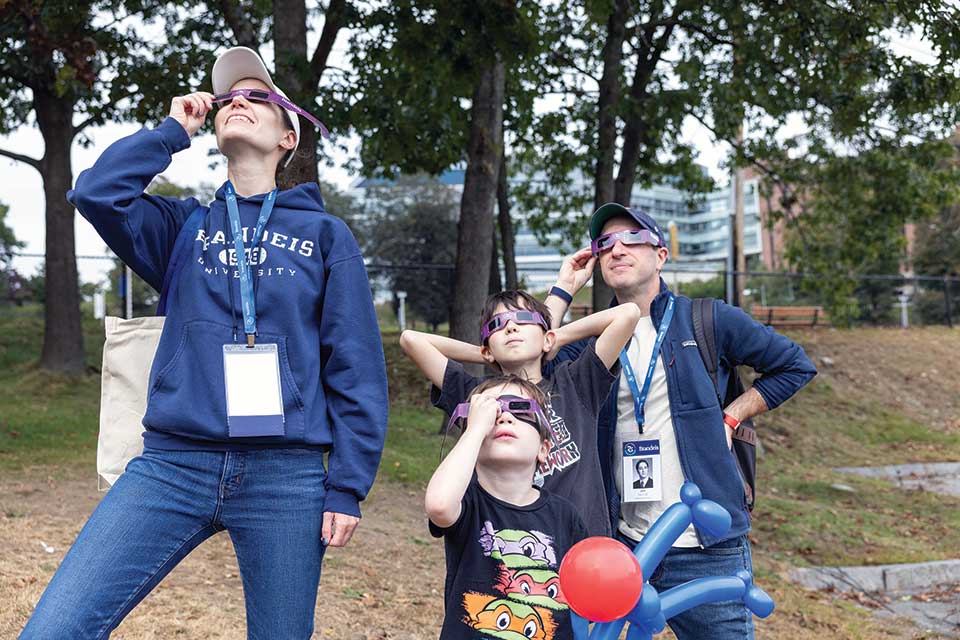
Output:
(631, 236)
(259, 95)
(520, 316)
(524, 409)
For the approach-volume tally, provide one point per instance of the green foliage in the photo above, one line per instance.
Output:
(414, 221)
(13, 287)
(8, 240)
(724, 65)
(417, 64)
(852, 213)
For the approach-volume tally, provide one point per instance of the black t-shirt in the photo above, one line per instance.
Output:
(576, 390)
(502, 563)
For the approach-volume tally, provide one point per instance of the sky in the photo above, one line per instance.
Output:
(21, 186)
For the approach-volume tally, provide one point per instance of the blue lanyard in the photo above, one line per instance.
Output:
(248, 300)
(640, 395)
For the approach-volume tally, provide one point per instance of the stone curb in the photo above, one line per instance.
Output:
(921, 576)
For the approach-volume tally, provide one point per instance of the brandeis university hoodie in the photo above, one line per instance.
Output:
(313, 300)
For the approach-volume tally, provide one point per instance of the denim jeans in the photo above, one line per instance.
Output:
(167, 503)
(729, 620)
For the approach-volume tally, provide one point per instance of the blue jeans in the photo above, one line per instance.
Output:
(165, 505)
(729, 620)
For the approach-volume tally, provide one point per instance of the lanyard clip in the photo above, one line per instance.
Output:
(250, 340)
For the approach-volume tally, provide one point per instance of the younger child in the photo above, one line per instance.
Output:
(515, 337)
(504, 538)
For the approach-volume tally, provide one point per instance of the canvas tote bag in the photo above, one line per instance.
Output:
(128, 354)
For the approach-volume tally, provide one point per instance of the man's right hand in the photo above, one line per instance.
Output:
(191, 110)
(576, 271)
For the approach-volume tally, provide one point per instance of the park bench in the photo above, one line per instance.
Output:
(790, 316)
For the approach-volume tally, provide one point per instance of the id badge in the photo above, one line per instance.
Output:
(251, 376)
(641, 471)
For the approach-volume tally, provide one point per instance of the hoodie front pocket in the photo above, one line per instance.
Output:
(187, 396)
(293, 406)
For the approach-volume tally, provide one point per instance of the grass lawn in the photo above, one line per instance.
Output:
(890, 397)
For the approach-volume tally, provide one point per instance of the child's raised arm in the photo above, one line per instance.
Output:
(613, 328)
(449, 483)
(431, 352)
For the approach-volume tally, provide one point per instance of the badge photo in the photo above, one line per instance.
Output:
(641, 471)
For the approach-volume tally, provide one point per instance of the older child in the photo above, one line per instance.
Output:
(515, 336)
(504, 538)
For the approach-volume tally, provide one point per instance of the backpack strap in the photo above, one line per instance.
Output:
(187, 231)
(704, 334)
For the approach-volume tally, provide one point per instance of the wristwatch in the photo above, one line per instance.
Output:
(562, 294)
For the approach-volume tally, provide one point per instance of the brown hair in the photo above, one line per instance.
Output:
(518, 300)
(529, 389)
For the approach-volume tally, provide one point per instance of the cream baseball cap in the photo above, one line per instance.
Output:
(240, 63)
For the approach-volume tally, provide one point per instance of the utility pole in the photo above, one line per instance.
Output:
(739, 258)
(128, 292)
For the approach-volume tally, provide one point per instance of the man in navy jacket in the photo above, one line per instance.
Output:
(680, 418)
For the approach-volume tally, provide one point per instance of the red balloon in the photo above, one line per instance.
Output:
(601, 579)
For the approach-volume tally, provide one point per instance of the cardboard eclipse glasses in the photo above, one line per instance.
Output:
(524, 409)
(519, 316)
(631, 236)
(259, 95)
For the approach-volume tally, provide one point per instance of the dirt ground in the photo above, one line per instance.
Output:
(388, 583)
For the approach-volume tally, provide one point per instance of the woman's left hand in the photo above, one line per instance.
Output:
(338, 528)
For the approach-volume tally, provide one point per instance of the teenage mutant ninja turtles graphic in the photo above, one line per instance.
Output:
(539, 587)
(518, 549)
(525, 595)
(506, 619)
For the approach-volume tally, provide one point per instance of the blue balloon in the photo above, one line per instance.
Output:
(653, 609)
(581, 626)
(700, 591)
(711, 517)
(661, 536)
(608, 630)
(638, 633)
(648, 606)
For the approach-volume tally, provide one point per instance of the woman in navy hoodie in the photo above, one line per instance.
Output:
(270, 360)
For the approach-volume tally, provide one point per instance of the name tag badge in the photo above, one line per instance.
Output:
(251, 376)
(641, 471)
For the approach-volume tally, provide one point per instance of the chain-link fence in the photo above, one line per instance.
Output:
(778, 298)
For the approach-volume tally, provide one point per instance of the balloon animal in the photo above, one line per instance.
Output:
(605, 583)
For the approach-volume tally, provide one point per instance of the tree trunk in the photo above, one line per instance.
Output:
(636, 129)
(62, 332)
(475, 231)
(495, 285)
(506, 226)
(293, 76)
(607, 104)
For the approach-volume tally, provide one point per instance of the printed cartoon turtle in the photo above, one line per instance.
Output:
(537, 587)
(518, 549)
(510, 621)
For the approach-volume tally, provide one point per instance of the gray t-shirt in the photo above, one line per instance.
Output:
(576, 390)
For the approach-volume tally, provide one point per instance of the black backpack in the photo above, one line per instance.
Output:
(745, 437)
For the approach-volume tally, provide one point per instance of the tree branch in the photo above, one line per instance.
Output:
(16, 77)
(241, 26)
(19, 157)
(333, 21)
(696, 28)
(83, 125)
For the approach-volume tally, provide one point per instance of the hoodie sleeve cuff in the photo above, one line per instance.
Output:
(173, 134)
(342, 502)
